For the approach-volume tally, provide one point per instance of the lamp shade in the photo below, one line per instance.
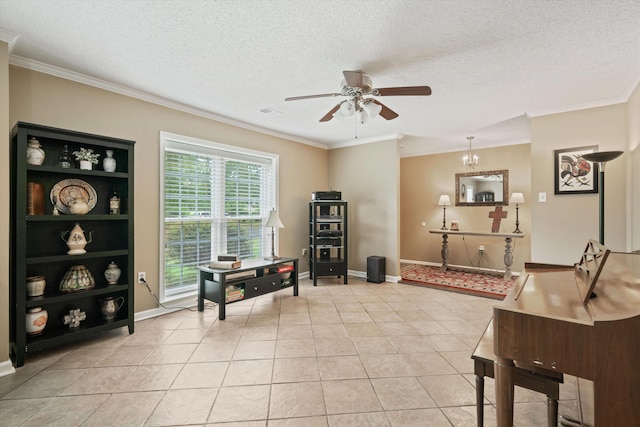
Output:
(444, 200)
(516, 198)
(602, 157)
(347, 108)
(372, 109)
(273, 220)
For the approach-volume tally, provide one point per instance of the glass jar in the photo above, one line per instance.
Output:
(114, 203)
(64, 161)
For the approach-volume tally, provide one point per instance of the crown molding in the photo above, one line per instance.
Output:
(354, 142)
(63, 73)
(577, 107)
(8, 36)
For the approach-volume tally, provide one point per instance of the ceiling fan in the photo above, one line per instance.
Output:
(357, 86)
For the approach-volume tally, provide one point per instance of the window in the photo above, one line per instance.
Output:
(214, 200)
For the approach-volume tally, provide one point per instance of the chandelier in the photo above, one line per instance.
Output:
(470, 160)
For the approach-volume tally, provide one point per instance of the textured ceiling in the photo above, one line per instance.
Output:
(491, 64)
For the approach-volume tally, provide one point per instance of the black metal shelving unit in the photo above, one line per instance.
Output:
(328, 239)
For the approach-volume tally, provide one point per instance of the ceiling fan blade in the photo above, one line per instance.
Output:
(403, 91)
(386, 112)
(353, 78)
(329, 115)
(322, 95)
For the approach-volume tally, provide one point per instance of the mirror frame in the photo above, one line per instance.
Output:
(505, 188)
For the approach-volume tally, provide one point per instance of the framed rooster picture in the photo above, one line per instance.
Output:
(574, 174)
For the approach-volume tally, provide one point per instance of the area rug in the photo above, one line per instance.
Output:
(477, 283)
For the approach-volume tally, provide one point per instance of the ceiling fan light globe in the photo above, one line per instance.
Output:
(372, 109)
(347, 108)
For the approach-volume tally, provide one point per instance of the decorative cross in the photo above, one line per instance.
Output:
(497, 216)
(74, 317)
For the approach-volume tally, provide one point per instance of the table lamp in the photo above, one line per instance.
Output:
(273, 221)
(517, 198)
(602, 157)
(444, 202)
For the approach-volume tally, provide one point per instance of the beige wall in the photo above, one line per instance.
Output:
(367, 175)
(564, 224)
(424, 178)
(633, 170)
(47, 100)
(4, 201)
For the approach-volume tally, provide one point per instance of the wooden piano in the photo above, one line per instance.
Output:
(583, 321)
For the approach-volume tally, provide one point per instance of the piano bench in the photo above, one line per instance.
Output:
(540, 380)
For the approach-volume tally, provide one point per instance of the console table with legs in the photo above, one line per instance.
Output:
(508, 248)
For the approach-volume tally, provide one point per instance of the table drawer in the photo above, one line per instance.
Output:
(330, 269)
(262, 285)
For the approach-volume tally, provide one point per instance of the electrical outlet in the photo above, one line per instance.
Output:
(481, 248)
(304, 251)
(142, 277)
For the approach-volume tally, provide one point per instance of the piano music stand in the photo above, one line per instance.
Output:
(589, 268)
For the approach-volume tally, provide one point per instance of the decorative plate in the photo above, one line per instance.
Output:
(67, 190)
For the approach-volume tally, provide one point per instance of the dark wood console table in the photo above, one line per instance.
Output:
(254, 278)
(508, 249)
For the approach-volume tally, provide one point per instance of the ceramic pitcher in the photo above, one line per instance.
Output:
(110, 307)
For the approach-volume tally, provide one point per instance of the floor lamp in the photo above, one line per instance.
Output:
(274, 222)
(601, 158)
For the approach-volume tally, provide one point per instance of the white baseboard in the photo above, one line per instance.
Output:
(458, 267)
(363, 274)
(410, 261)
(6, 368)
(169, 307)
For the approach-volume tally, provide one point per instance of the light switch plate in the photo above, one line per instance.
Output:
(542, 197)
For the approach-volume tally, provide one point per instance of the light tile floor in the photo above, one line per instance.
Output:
(364, 354)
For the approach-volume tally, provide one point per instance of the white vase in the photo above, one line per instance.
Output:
(112, 273)
(86, 165)
(36, 320)
(109, 163)
(35, 153)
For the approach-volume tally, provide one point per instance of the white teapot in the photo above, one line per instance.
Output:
(76, 241)
(78, 207)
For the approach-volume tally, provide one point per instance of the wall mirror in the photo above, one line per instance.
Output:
(483, 188)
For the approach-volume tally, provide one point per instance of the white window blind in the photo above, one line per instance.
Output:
(215, 198)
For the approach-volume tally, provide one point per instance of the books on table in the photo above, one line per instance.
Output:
(225, 264)
(228, 257)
